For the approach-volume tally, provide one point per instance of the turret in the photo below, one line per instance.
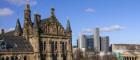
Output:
(18, 29)
(36, 38)
(37, 19)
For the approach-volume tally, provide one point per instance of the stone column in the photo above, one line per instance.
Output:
(59, 50)
(48, 49)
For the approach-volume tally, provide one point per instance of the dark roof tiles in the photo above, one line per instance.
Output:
(16, 43)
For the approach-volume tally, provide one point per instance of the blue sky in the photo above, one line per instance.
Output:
(119, 19)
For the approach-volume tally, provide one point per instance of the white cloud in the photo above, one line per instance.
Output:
(10, 29)
(90, 10)
(5, 12)
(89, 30)
(22, 2)
(112, 28)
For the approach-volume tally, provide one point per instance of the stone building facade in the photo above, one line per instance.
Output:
(126, 51)
(43, 39)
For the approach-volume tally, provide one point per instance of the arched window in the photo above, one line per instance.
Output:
(7, 58)
(54, 56)
(52, 46)
(41, 45)
(55, 45)
(2, 58)
(44, 45)
(12, 58)
(16, 58)
(43, 57)
(25, 58)
(63, 46)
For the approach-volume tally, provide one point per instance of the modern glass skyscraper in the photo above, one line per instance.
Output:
(94, 42)
(86, 42)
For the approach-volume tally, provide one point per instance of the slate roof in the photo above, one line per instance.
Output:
(15, 43)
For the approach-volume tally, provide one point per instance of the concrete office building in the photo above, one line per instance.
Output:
(82, 42)
(105, 43)
(97, 40)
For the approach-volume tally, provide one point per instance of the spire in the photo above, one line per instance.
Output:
(27, 12)
(27, 5)
(18, 29)
(27, 21)
(68, 28)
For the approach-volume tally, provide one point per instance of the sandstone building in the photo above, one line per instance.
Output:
(126, 51)
(43, 39)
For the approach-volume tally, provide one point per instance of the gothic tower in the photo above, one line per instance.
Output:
(27, 30)
(69, 43)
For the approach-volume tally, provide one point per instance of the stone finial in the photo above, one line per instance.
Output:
(52, 12)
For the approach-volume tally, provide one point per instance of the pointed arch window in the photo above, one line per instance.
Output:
(25, 58)
(44, 45)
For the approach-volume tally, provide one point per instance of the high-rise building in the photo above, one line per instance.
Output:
(105, 43)
(82, 42)
(85, 42)
(90, 42)
(97, 40)
(94, 42)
